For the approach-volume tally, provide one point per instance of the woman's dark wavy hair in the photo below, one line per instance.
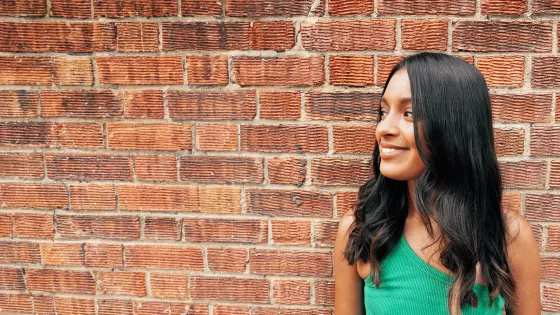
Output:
(460, 189)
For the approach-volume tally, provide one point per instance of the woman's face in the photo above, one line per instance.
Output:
(395, 132)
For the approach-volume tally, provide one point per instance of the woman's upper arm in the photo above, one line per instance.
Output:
(348, 290)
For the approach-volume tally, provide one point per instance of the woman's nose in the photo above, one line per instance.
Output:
(388, 126)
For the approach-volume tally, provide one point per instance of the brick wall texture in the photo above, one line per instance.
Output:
(194, 157)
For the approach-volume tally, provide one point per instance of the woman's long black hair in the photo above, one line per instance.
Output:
(460, 188)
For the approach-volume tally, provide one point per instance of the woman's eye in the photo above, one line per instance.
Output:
(408, 112)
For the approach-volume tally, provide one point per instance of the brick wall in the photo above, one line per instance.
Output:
(172, 157)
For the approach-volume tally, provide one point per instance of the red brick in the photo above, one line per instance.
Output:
(93, 197)
(351, 70)
(272, 35)
(440, 7)
(503, 7)
(33, 196)
(511, 202)
(545, 7)
(545, 72)
(86, 167)
(19, 103)
(212, 105)
(241, 8)
(153, 136)
(288, 171)
(26, 70)
(63, 254)
(227, 259)
(134, 8)
(82, 103)
(351, 7)
(338, 106)
(385, 65)
(143, 104)
(258, 310)
(290, 263)
(174, 308)
(542, 207)
(289, 203)
(288, 71)
(216, 137)
(247, 290)
(502, 71)
(97, 226)
(354, 139)
(35, 225)
(163, 257)
(160, 228)
(11, 279)
(285, 105)
(509, 141)
(37, 8)
(348, 35)
(201, 7)
(16, 303)
(169, 285)
(538, 235)
(553, 241)
(340, 171)
(72, 71)
(324, 292)
(502, 36)
(44, 134)
(22, 165)
(70, 306)
(114, 307)
(231, 310)
(523, 174)
(545, 141)
(550, 269)
(424, 34)
(214, 35)
(207, 70)
(245, 231)
(284, 138)
(555, 174)
(44, 304)
(122, 283)
(60, 281)
(6, 229)
(221, 169)
(521, 107)
(104, 255)
(71, 9)
(291, 292)
(291, 232)
(180, 198)
(156, 167)
(140, 70)
(20, 252)
(325, 233)
(76, 37)
(551, 299)
(137, 37)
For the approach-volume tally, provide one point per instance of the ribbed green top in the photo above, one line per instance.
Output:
(409, 285)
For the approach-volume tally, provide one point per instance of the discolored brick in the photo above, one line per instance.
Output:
(244, 290)
(221, 169)
(134, 8)
(244, 231)
(289, 203)
(82, 103)
(287, 171)
(331, 106)
(351, 70)
(284, 138)
(140, 70)
(280, 104)
(339, 171)
(19, 103)
(424, 34)
(152, 136)
(137, 37)
(286, 71)
(119, 227)
(502, 71)
(89, 167)
(212, 105)
(438, 7)
(292, 263)
(163, 257)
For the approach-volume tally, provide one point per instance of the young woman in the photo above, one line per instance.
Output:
(428, 234)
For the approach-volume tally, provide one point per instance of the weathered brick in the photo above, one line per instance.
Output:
(509, 141)
(340, 171)
(82, 103)
(122, 283)
(287, 71)
(225, 230)
(212, 105)
(216, 137)
(325, 233)
(161, 228)
(156, 167)
(214, 35)
(114, 306)
(289, 203)
(439, 7)
(542, 7)
(16, 303)
(71, 9)
(207, 70)
(350, 7)
(19, 103)
(272, 35)
(22, 165)
(180, 198)
(227, 259)
(538, 235)
(324, 292)
(62, 254)
(291, 291)
(76, 37)
(26, 70)
(550, 299)
(69, 306)
(33, 196)
(93, 197)
(523, 174)
(163, 257)
(248, 290)
(201, 7)
(221, 169)
(35, 225)
(351, 70)
(86, 167)
(6, 225)
(231, 310)
(550, 269)
(554, 174)
(44, 304)
(544, 72)
(20, 252)
(137, 37)
(119, 227)
(153, 136)
(354, 139)
(502, 36)
(330, 106)
(143, 104)
(261, 310)
(291, 232)
(290, 263)
(280, 104)
(502, 71)
(287, 171)
(243, 8)
(553, 240)
(424, 34)
(140, 70)
(134, 8)
(11, 279)
(521, 107)
(542, 207)
(169, 285)
(348, 35)
(284, 138)
(545, 141)
(45, 134)
(104, 255)
(503, 7)
(60, 281)
(37, 8)
(385, 65)
(72, 71)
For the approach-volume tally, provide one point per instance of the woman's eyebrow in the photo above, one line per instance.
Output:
(400, 100)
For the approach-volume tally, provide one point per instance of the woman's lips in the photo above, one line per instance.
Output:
(390, 153)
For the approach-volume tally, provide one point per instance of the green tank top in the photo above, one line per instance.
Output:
(409, 285)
